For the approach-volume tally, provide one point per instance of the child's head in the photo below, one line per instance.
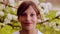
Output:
(28, 14)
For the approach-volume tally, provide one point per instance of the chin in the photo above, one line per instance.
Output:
(28, 28)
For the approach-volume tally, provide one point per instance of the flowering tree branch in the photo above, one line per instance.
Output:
(7, 5)
(51, 19)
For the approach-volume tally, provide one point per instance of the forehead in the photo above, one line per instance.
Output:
(30, 9)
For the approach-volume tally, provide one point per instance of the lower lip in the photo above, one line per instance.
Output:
(27, 24)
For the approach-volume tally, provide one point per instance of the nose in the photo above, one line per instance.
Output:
(28, 18)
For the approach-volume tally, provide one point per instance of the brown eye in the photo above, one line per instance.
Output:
(32, 15)
(24, 14)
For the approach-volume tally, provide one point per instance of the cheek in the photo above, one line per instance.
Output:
(34, 19)
(19, 19)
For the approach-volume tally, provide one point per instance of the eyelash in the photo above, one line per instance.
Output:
(26, 15)
(23, 14)
(32, 14)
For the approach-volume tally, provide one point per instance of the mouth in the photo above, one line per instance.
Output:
(27, 23)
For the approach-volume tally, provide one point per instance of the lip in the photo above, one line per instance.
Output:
(27, 23)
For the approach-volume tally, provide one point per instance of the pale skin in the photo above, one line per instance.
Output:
(28, 21)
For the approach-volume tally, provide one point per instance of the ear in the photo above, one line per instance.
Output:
(38, 18)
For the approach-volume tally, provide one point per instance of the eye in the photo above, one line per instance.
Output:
(32, 14)
(24, 14)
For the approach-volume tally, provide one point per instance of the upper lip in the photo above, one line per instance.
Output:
(27, 23)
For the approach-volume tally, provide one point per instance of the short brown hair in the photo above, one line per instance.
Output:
(24, 5)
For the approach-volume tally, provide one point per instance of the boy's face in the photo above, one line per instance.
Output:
(28, 19)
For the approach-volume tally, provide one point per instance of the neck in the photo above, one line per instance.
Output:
(33, 31)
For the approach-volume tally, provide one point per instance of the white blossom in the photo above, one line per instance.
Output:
(45, 11)
(1, 13)
(43, 5)
(46, 23)
(52, 24)
(46, 7)
(3, 24)
(9, 16)
(44, 18)
(41, 10)
(57, 28)
(20, 2)
(36, 1)
(13, 9)
(57, 13)
(14, 18)
(39, 21)
(1, 0)
(12, 2)
(2, 6)
(6, 21)
(49, 5)
(59, 16)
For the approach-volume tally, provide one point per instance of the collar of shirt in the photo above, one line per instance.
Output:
(17, 32)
